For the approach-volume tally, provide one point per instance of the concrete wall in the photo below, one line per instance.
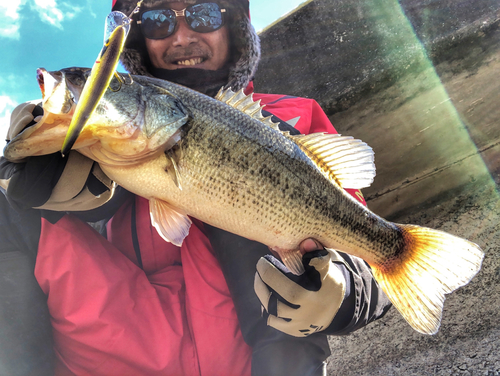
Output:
(419, 82)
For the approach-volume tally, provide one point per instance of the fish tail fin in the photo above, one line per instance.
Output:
(432, 264)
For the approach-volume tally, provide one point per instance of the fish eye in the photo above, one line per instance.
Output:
(85, 74)
(77, 81)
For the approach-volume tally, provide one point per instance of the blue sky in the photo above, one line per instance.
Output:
(55, 34)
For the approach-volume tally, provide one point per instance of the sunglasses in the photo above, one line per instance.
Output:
(161, 23)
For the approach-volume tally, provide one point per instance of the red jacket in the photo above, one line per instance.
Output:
(173, 317)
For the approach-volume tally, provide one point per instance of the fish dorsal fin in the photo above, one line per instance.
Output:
(343, 159)
(245, 104)
(172, 225)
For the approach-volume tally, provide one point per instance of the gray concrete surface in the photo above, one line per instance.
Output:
(419, 82)
(468, 342)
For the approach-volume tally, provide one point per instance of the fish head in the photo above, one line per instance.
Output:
(127, 107)
(134, 119)
(60, 93)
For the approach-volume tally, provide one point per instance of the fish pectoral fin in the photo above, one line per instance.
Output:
(245, 104)
(172, 225)
(172, 169)
(345, 160)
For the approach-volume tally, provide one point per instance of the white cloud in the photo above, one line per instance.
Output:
(89, 10)
(9, 11)
(54, 13)
(11, 95)
(7, 104)
(14, 84)
(50, 11)
(10, 30)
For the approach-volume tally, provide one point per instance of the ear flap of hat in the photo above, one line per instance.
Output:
(247, 44)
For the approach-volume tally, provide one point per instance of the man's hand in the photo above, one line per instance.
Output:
(24, 115)
(51, 182)
(305, 304)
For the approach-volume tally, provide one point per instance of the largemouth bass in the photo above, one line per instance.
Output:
(220, 161)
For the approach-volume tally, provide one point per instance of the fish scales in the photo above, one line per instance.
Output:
(192, 155)
(222, 145)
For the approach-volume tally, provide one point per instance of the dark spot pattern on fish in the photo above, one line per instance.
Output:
(262, 171)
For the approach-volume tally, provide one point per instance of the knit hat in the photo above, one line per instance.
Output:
(245, 44)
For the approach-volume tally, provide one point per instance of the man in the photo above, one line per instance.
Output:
(134, 304)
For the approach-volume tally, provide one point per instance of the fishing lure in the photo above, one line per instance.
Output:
(116, 30)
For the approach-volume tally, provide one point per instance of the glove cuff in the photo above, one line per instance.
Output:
(71, 192)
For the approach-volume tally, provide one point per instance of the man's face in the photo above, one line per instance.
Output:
(188, 49)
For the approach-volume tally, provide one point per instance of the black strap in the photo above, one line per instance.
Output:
(135, 239)
(25, 329)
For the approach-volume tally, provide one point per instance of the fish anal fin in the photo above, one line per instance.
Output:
(343, 159)
(245, 103)
(172, 225)
(430, 265)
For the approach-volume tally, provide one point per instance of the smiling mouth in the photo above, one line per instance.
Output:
(189, 62)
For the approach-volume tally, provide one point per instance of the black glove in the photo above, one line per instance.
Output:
(36, 182)
(31, 182)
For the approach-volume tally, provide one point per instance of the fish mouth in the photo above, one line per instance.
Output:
(48, 81)
(55, 94)
(40, 80)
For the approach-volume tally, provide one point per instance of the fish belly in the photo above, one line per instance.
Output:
(253, 191)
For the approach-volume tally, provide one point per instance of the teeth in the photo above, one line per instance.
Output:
(198, 60)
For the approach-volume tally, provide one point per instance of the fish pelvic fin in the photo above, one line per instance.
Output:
(245, 104)
(172, 225)
(432, 264)
(292, 259)
(342, 159)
